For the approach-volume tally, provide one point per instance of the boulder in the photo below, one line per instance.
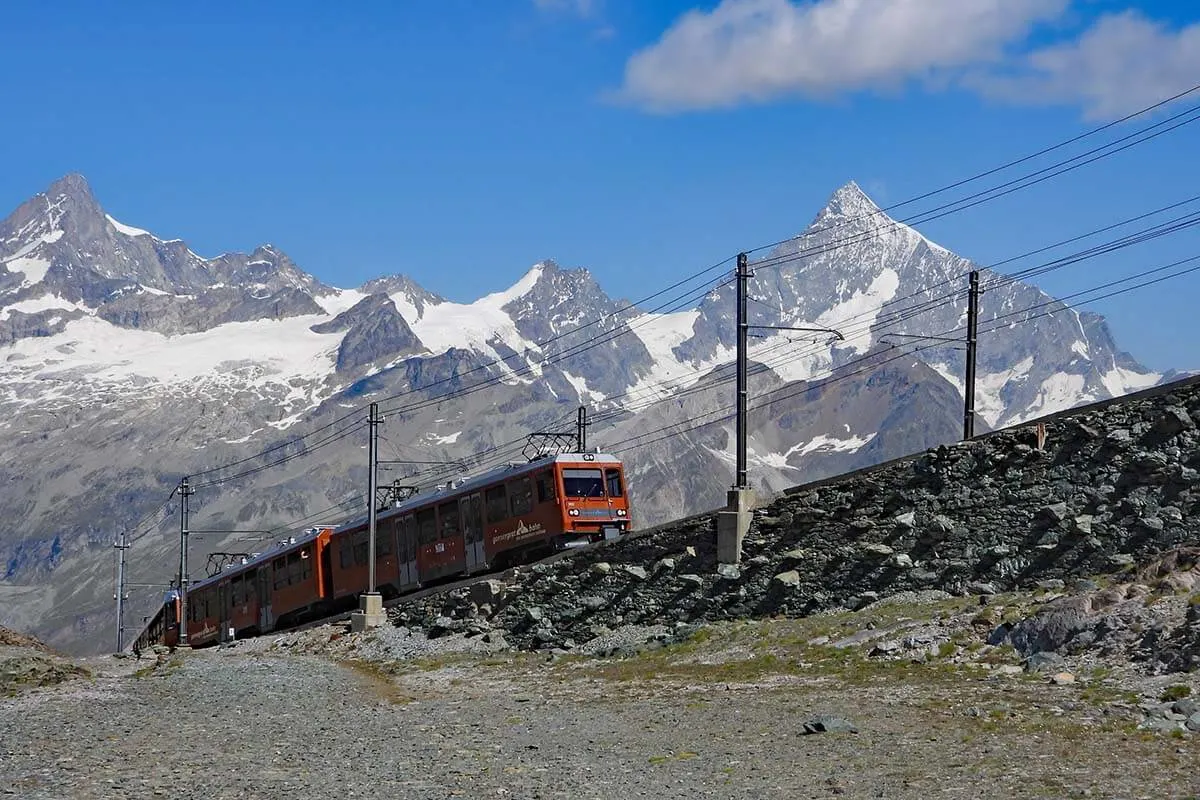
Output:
(789, 579)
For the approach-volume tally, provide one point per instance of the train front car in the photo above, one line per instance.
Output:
(592, 498)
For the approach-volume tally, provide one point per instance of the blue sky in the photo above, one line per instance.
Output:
(459, 142)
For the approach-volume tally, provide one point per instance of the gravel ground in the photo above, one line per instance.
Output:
(717, 718)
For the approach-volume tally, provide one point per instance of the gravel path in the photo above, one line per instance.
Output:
(256, 723)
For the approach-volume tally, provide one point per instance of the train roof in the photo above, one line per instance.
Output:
(451, 489)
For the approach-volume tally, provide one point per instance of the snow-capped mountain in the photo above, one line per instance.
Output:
(127, 360)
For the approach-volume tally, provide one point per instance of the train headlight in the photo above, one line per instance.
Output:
(620, 512)
(574, 512)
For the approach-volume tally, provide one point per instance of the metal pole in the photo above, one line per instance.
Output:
(972, 346)
(743, 275)
(185, 491)
(121, 546)
(581, 430)
(372, 455)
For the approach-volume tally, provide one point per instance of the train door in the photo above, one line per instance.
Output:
(266, 620)
(472, 520)
(406, 546)
(326, 570)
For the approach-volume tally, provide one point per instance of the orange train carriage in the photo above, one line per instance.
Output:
(503, 517)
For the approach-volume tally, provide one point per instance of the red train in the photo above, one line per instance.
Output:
(503, 517)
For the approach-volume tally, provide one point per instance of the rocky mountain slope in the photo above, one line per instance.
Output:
(1111, 490)
(128, 360)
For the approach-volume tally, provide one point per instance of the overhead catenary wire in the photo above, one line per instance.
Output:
(872, 360)
(905, 314)
(1041, 175)
(675, 304)
(1016, 162)
(871, 319)
(1149, 133)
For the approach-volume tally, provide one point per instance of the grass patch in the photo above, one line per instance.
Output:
(378, 677)
(160, 668)
(1176, 692)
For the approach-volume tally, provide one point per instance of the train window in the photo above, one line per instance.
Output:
(235, 592)
(521, 496)
(305, 564)
(426, 526)
(545, 487)
(280, 568)
(293, 568)
(346, 552)
(360, 547)
(583, 483)
(496, 501)
(448, 520)
(613, 478)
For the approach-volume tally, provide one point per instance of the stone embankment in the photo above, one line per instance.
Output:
(1106, 490)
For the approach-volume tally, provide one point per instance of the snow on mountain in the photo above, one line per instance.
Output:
(76, 275)
(128, 230)
(95, 353)
(482, 326)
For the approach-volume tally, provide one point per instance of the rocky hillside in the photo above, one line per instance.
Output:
(1111, 488)
(26, 663)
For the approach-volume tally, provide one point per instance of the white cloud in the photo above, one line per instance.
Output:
(1122, 63)
(756, 50)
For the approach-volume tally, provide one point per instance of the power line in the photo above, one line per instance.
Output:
(1008, 165)
(325, 442)
(872, 321)
(906, 314)
(871, 361)
(553, 359)
(1036, 177)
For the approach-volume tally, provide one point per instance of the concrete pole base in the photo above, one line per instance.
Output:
(732, 525)
(370, 613)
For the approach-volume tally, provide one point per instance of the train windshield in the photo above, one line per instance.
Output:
(583, 483)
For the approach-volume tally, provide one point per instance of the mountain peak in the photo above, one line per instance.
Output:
(71, 185)
(851, 201)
